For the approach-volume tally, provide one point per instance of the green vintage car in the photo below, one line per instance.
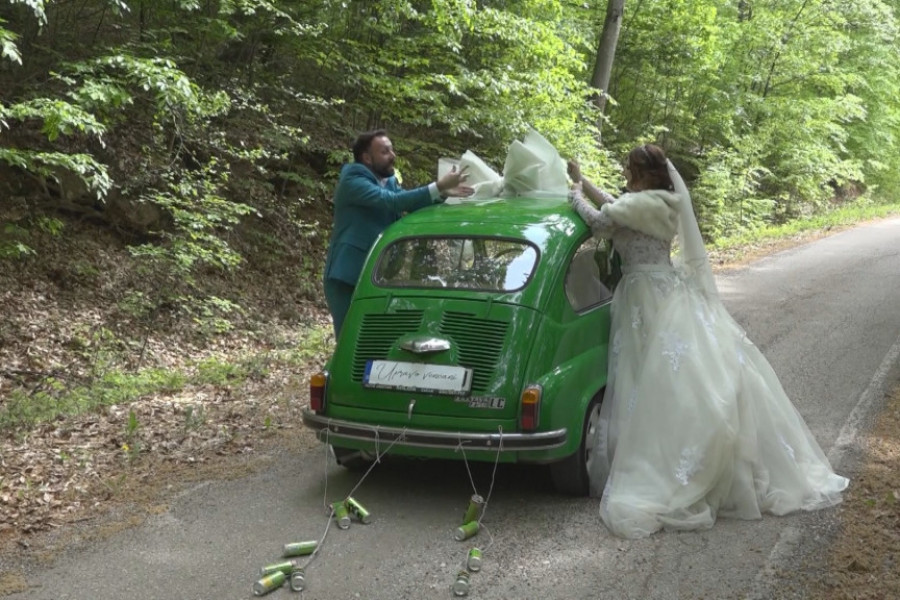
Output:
(476, 329)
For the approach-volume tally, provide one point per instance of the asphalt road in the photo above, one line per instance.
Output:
(826, 314)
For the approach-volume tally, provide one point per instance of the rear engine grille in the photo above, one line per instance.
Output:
(378, 333)
(479, 341)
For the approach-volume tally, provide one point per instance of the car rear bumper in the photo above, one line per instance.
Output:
(331, 430)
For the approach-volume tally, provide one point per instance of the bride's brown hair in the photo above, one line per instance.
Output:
(647, 164)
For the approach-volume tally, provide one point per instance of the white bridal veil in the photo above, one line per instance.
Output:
(691, 254)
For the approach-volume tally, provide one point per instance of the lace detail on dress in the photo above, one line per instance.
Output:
(635, 248)
(632, 401)
(638, 248)
(691, 462)
(617, 343)
(636, 318)
(663, 282)
(599, 222)
(673, 348)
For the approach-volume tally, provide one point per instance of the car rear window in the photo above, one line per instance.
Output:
(468, 263)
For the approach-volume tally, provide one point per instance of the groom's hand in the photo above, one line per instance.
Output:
(451, 180)
(460, 191)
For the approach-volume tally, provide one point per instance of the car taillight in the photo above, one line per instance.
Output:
(531, 408)
(317, 385)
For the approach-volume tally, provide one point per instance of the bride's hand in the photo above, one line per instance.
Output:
(575, 192)
(574, 170)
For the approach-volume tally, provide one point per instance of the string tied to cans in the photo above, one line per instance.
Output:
(291, 569)
(472, 523)
(341, 510)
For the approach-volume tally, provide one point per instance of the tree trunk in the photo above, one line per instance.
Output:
(606, 51)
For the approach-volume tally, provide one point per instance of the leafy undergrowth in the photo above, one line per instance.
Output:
(96, 399)
(741, 249)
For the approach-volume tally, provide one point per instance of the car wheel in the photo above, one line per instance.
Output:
(352, 459)
(571, 475)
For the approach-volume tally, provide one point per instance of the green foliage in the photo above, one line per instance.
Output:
(8, 48)
(132, 444)
(318, 344)
(104, 84)
(48, 164)
(12, 242)
(14, 237)
(838, 217)
(38, 8)
(59, 117)
(50, 225)
(107, 383)
(777, 104)
(215, 371)
(726, 193)
(219, 113)
(200, 214)
(55, 398)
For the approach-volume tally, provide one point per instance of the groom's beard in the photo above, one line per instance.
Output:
(383, 170)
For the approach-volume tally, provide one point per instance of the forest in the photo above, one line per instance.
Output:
(167, 117)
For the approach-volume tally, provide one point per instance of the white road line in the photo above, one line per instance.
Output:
(846, 441)
(873, 393)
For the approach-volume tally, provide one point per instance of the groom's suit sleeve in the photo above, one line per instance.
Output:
(363, 209)
(363, 190)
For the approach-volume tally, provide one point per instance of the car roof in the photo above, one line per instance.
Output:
(520, 213)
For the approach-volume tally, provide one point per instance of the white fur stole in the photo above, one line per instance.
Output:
(653, 212)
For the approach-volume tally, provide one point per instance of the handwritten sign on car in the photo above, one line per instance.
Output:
(421, 377)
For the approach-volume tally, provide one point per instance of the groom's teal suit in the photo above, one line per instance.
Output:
(363, 207)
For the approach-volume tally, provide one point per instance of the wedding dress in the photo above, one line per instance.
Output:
(694, 423)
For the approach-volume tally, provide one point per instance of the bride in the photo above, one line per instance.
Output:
(694, 422)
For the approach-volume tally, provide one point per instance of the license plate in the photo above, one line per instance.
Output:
(418, 377)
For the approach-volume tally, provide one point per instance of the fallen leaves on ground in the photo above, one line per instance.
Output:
(864, 560)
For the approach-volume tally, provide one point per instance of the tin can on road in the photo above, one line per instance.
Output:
(473, 561)
(358, 510)
(299, 548)
(298, 579)
(474, 510)
(283, 567)
(270, 582)
(341, 515)
(464, 532)
(460, 587)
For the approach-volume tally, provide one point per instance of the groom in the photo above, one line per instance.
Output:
(368, 198)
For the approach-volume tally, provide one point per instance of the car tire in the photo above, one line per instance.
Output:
(571, 475)
(352, 459)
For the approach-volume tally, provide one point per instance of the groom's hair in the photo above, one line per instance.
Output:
(364, 142)
(648, 164)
